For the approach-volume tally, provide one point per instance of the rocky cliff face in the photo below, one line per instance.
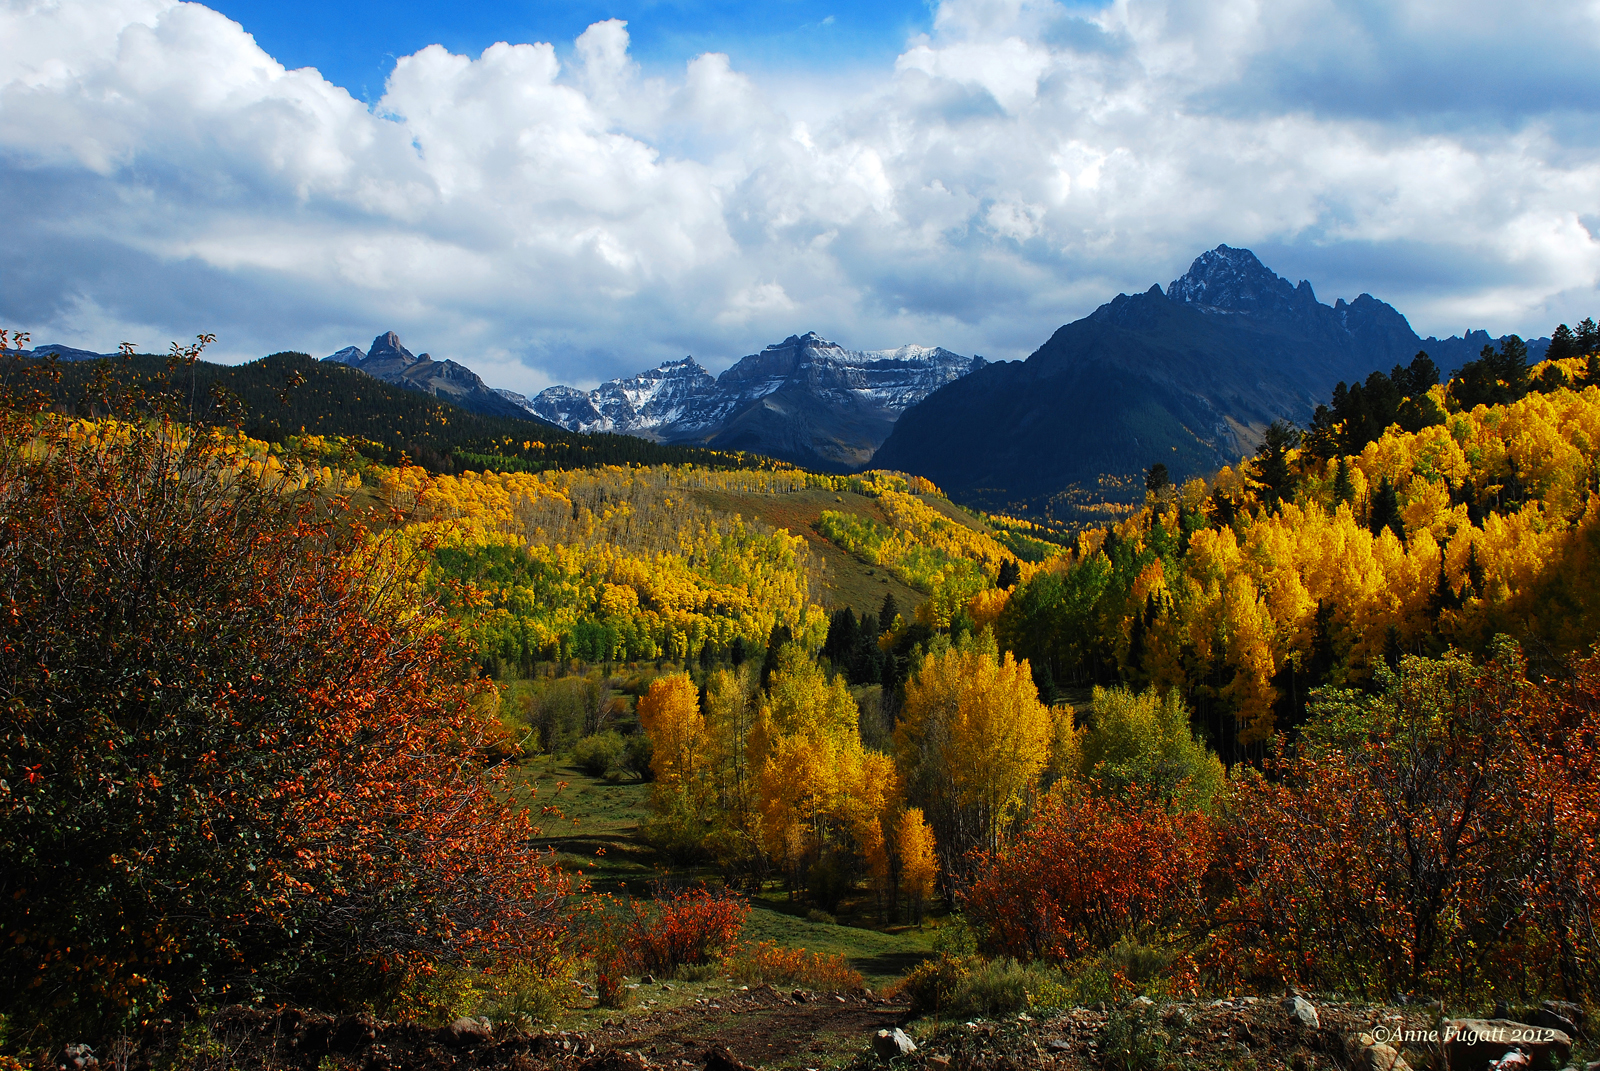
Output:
(805, 400)
(391, 362)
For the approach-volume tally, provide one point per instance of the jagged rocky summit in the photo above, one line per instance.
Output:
(805, 400)
(1188, 377)
(633, 405)
(391, 362)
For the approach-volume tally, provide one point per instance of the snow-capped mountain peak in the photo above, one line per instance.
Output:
(805, 384)
(631, 405)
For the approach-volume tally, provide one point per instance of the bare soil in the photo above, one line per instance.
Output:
(765, 1028)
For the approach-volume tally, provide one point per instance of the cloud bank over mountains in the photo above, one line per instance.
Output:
(569, 222)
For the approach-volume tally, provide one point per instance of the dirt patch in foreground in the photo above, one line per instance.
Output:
(766, 1028)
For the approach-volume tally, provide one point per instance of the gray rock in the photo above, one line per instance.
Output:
(1515, 1060)
(1302, 1011)
(891, 1044)
(1475, 1044)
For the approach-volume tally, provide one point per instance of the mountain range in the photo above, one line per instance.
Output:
(1189, 377)
(805, 400)
(391, 362)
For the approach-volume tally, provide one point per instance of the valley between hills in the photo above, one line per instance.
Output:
(1215, 688)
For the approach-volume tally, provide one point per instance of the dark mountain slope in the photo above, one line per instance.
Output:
(1188, 378)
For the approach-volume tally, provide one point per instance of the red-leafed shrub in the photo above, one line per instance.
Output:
(684, 928)
(236, 760)
(1437, 838)
(1089, 871)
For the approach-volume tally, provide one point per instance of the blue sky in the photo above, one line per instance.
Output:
(624, 184)
(354, 43)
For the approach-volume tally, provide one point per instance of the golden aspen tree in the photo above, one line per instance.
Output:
(670, 713)
(805, 750)
(872, 803)
(914, 844)
(729, 714)
(972, 741)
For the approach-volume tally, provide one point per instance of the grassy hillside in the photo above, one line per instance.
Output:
(845, 579)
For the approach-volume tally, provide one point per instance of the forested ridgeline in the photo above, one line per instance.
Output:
(292, 394)
(1329, 554)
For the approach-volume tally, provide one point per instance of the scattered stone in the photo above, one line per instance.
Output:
(718, 1058)
(891, 1044)
(940, 1062)
(1475, 1044)
(1567, 1010)
(1302, 1011)
(799, 996)
(1367, 1053)
(648, 979)
(466, 1032)
(1059, 1045)
(1515, 1060)
(615, 1060)
(838, 999)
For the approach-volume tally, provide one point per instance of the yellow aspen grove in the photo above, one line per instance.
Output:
(805, 749)
(1482, 521)
(872, 804)
(972, 741)
(670, 714)
(819, 793)
(914, 843)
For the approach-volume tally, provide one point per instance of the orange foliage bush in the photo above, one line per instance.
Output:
(688, 927)
(765, 962)
(1087, 872)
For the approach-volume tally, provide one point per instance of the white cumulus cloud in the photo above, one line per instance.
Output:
(1011, 169)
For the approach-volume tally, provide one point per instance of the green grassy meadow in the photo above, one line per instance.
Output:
(597, 837)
